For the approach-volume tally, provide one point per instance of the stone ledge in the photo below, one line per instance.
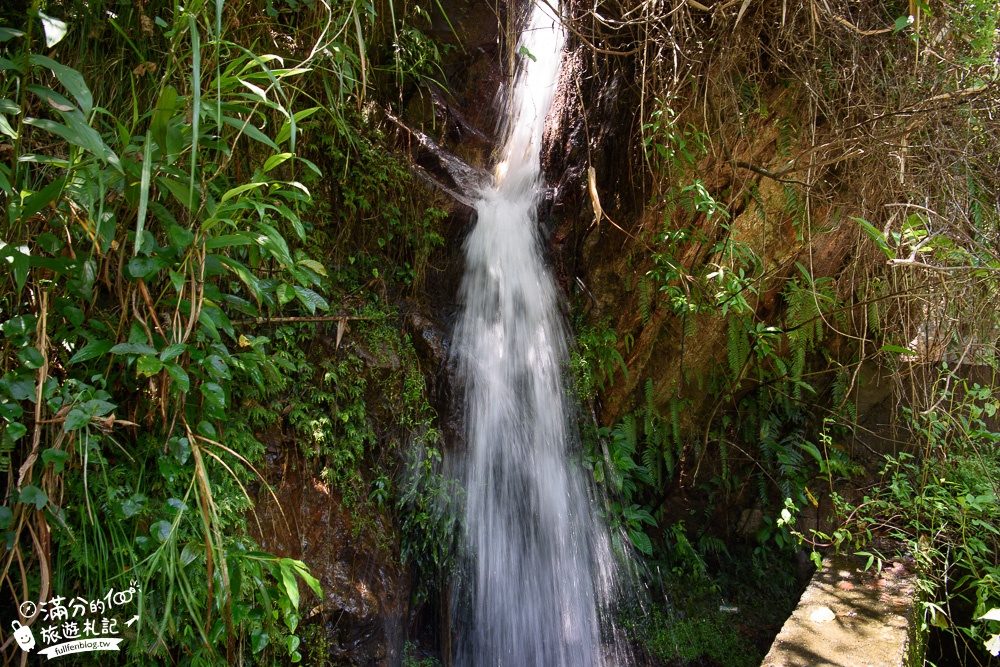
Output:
(849, 617)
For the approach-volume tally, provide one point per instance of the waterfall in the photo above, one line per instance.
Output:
(538, 565)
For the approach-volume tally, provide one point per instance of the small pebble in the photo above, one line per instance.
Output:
(822, 615)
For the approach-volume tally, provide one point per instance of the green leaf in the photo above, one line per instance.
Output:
(641, 541)
(6, 517)
(32, 495)
(76, 419)
(57, 458)
(274, 161)
(10, 33)
(179, 375)
(91, 351)
(213, 393)
(313, 265)
(148, 365)
(181, 191)
(228, 241)
(38, 201)
(258, 640)
(11, 411)
(291, 585)
(54, 29)
(240, 189)
(876, 236)
(173, 351)
(285, 132)
(285, 294)
(132, 348)
(20, 259)
(217, 367)
(160, 530)
(165, 107)
(70, 79)
(896, 349)
(144, 179)
(30, 357)
(303, 571)
(143, 267)
(251, 131)
(311, 300)
(179, 236)
(18, 387)
(15, 431)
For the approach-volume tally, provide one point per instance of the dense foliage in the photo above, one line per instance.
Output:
(168, 262)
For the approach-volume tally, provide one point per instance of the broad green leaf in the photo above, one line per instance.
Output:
(311, 300)
(15, 431)
(285, 132)
(78, 134)
(7, 130)
(641, 541)
(240, 189)
(173, 351)
(180, 191)
(32, 495)
(258, 640)
(20, 262)
(876, 236)
(165, 108)
(274, 161)
(144, 179)
(6, 517)
(303, 571)
(251, 131)
(56, 457)
(10, 33)
(18, 387)
(91, 351)
(54, 29)
(217, 367)
(228, 241)
(291, 585)
(143, 267)
(160, 530)
(71, 79)
(148, 365)
(42, 198)
(30, 357)
(313, 265)
(274, 243)
(213, 393)
(132, 348)
(896, 349)
(76, 419)
(285, 294)
(179, 376)
(12, 411)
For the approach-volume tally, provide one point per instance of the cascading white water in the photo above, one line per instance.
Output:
(538, 566)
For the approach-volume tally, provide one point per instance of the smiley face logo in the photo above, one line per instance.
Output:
(23, 636)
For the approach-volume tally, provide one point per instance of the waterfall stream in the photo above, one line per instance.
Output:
(538, 568)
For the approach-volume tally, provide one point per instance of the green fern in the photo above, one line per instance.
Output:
(738, 347)
(645, 289)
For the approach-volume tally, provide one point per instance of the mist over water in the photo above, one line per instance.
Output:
(538, 569)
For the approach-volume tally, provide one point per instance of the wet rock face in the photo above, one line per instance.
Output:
(355, 557)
